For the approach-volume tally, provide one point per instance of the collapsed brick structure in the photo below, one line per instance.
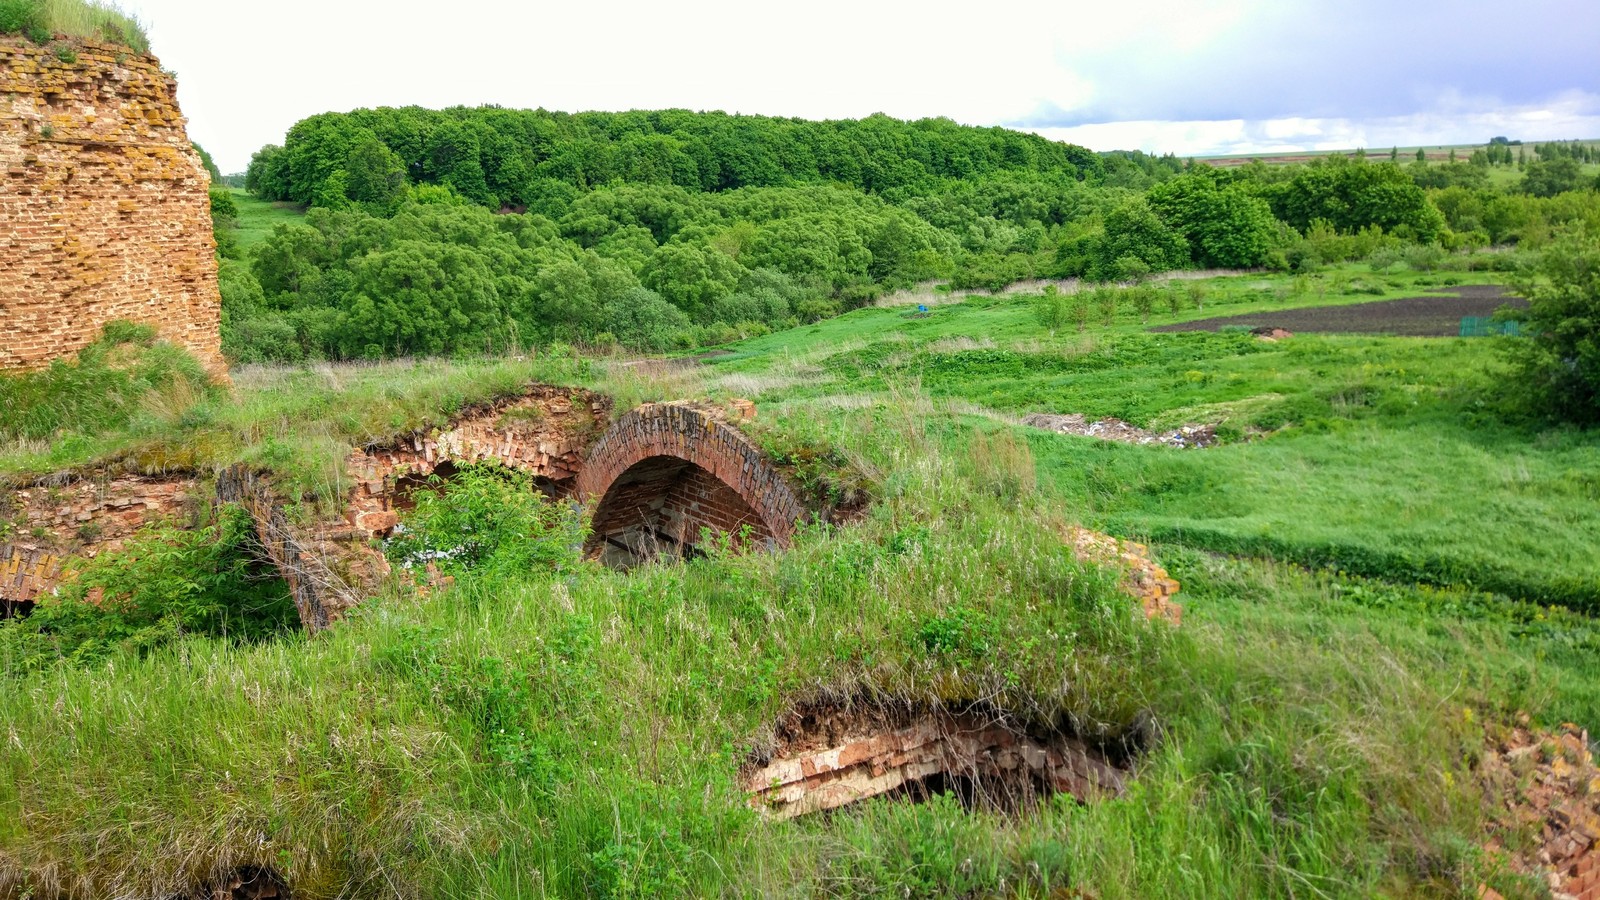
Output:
(828, 757)
(546, 431)
(44, 525)
(680, 466)
(1544, 785)
(104, 205)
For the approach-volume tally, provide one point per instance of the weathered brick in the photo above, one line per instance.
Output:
(104, 206)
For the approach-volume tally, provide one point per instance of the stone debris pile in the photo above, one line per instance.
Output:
(1184, 438)
(1545, 784)
(1146, 580)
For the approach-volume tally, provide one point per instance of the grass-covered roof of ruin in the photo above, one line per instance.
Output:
(42, 20)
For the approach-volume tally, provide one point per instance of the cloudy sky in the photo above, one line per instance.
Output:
(1186, 76)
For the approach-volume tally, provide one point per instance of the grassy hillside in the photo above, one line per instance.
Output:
(258, 217)
(1385, 456)
(565, 730)
(576, 733)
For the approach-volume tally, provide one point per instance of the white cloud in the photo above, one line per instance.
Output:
(1572, 114)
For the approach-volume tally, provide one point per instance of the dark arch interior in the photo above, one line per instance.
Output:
(661, 506)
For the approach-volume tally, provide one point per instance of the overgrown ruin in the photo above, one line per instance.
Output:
(826, 756)
(656, 480)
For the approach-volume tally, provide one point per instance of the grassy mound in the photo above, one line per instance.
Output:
(40, 20)
(558, 729)
(123, 379)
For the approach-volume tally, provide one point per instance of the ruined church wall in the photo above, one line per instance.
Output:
(104, 205)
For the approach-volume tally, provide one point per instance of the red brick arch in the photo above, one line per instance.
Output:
(665, 471)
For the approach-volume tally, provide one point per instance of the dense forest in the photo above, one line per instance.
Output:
(470, 230)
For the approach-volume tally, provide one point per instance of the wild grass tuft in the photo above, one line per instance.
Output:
(94, 20)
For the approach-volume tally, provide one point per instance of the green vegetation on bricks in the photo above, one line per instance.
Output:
(40, 20)
(579, 732)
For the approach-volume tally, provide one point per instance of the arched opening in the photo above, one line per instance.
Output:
(661, 506)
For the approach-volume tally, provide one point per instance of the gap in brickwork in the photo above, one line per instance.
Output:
(828, 756)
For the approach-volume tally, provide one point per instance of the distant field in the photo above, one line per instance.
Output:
(1439, 315)
(1435, 153)
(1371, 454)
(258, 217)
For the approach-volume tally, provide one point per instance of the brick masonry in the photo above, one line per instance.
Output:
(683, 464)
(104, 205)
(829, 759)
(43, 527)
(665, 470)
(545, 431)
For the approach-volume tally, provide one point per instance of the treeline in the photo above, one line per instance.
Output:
(488, 229)
(541, 161)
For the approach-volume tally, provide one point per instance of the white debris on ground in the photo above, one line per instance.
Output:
(1186, 437)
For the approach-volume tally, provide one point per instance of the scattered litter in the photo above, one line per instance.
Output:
(1187, 437)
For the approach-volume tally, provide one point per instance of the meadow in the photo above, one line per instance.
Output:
(1368, 561)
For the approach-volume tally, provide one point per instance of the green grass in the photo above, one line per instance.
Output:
(1385, 456)
(578, 734)
(91, 19)
(298, 423)
(258, 218)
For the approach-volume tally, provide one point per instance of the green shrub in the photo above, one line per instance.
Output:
(1560, 360)
(488, 519)
(167, 582)
(24, 17)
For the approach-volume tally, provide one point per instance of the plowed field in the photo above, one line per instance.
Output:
(1434, 315)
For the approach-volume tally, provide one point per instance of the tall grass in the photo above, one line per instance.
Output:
(579, 734)
(95, 20)
(144, 404)
(119, 378)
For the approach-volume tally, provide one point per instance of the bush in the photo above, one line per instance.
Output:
(24, 17)
(168, 581)
(488, 519)
(1560, 360)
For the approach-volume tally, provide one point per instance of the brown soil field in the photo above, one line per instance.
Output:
(1437, 315)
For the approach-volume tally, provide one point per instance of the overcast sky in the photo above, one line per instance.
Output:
(1185, 76)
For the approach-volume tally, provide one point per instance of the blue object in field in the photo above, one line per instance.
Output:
(1483, 326)
(922, 307)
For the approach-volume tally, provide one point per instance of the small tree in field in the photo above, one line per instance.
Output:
(1422, 155)
(1197, 295)
(1051, 309)
(1560, 359)
(1174, 300)
(1144, 300)
(1105, 299)
(1080, 310)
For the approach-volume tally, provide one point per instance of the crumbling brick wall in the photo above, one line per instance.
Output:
(104, 205)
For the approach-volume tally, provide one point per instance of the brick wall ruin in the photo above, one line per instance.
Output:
(44, 526)
(104, 205)
(665, 470)
(826, 758)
